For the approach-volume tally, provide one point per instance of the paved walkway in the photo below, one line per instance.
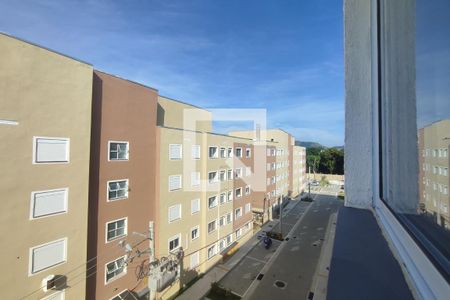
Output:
(203, 285)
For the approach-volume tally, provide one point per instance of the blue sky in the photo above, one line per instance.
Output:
(285, 56)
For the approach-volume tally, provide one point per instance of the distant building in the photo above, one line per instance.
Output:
(434, 164)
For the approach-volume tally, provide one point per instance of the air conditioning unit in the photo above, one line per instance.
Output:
(48, 283)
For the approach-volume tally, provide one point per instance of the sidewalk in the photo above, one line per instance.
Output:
(201, 288)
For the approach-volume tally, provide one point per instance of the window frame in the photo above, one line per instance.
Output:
(199, 206)
(177, 236)
(117, 199)
(181, 152)
(199, 152)
(34, 155)
(116, 237)
(123, 273)
(217, 152)
(215, 226)
(198, 232)
(118, 142)
(30, 256)
(181, 183)
(168, 213)
(66, 203)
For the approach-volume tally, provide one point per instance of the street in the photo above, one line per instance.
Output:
(286, 269)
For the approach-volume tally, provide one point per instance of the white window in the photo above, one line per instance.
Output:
(222, 221)
(117, 189)
(116, 229)
(248, 171)
(238, 192)
(445, 153)
(230, 152)
(174, 182)
(223, 153)
(238, 173)
(122, 296)
(47, 203)
(51, 150)
(445, 190)
(195, 178)
(212, 177)
(195, 232)
(48, 255)
(195, 206)
(238, 233)
(212, 226)
(445, 171)
(247, 190)
(248, 152)
(175, 151)
(229, 239)
(195, 259)
(222, 175)
(238, 152)
(229, 218)
(211, 251)
(61, 295)
(195, 151)
(230, 174)
(213, 152)
(212, 202)
(118, 150)
(248, 208)
(174, 242)
(230, 196)
(115, 268)
(435, 153)
(174, 212)
(238, 213)
(223, 198)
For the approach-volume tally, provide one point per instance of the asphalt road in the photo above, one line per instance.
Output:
(295, 262)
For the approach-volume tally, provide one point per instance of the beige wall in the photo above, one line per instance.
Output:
(299, 169)
(177, 114)
(49, 95)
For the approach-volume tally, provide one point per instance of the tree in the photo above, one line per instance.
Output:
(326, 161)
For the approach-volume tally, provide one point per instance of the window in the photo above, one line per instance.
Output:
(174, 212)
(116, 229)
(229, 218)
(238, 233)
(174, 242)
(238, 192)
(195, 178)
(222, 244)
(230, 152)
(248, 152)
(230, 174)
(211, 251)
(47, 203)
(248, 208)
(48, 255)
(212, 177)
(222, 175)
(230, 196)
(238, 173)
(229, 239)
(122, 296)
(195, 206)
(212, 202)
(174, 182)
(115, 268)
(118, 150)
(50, 150)
(195, 259)
(212, 226)
(175, 151)
(213, 152)
(247, 190)
(223, 198)
(195, 151)
(238, 213)
(248, 171)
(61, 295)
(238, 152)
(117, 190)
(223, 153)
(195, 232)
(222, 221)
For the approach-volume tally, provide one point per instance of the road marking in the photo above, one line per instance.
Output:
(259, 260)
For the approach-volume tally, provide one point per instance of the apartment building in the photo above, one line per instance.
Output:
(122, 202)
(299, 169)
(434, 164)
(244, 187)
(45, 125)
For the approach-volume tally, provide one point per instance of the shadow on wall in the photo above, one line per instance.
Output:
(160, 114)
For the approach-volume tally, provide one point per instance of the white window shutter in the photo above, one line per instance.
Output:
(49, 202)
(48, 255)
(174, 182)
(175, 151)
(52, 150)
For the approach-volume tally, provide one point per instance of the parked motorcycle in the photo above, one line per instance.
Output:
(267, 242)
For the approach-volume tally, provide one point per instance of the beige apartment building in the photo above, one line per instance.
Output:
(298, 170)
(434, 179)
(45, 127)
